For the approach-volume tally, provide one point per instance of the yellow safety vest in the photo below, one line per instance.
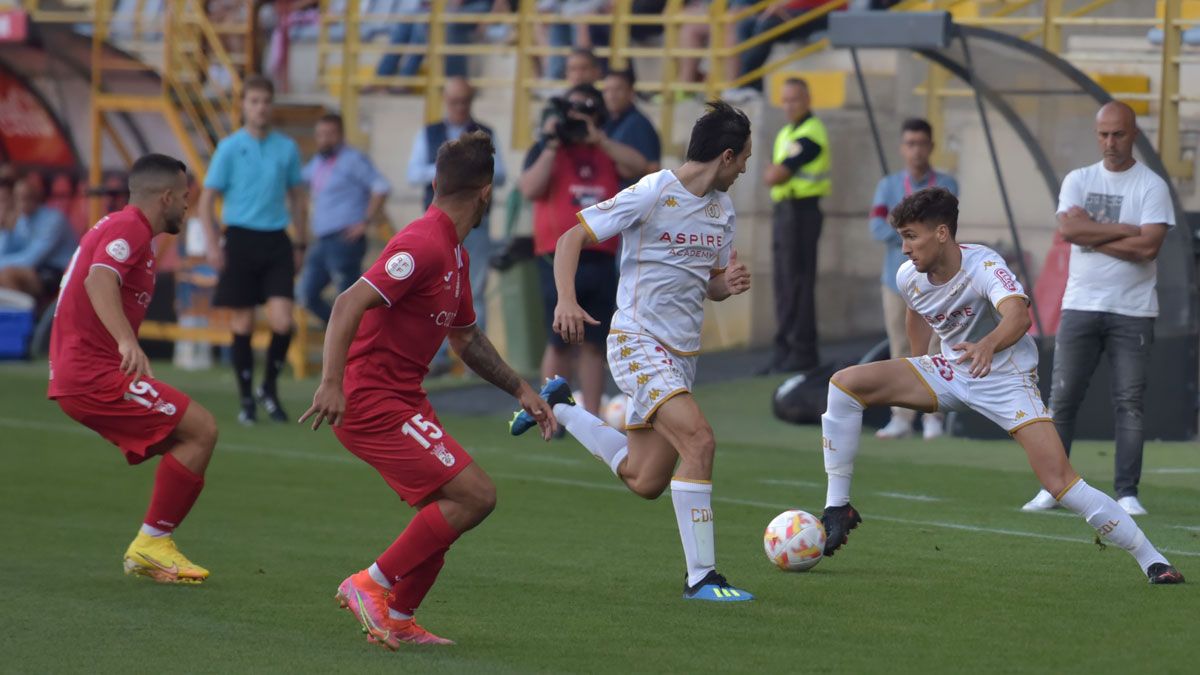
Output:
(812, 179)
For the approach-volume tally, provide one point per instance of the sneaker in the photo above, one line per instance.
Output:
(1163, 573)
(1042, 501)
(896, 428)
(741, 95)
(933, 425)
(248, 415)
(270, 403)
(159, 559)
(555, 391)
(838, 521)
(714, 588)
(363, 597)
(408, 631)
(1132, 506)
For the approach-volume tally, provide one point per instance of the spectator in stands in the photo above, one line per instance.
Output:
(38, 249)
(916, 145)
(348, 195)
(626, 124)
(1116, 214)
(457, 96)
(566, 35)
(257, 173)
(573, 166)
(407, 65)
(798, 177)
(695, 36)
(8, 209)
(774, 15)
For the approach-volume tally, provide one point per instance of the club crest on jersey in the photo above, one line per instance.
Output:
(444, 456)
(1006, 279)
(400, 266)
(713, 210)
(607, 204)
(118, 249)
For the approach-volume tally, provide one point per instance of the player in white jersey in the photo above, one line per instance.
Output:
(677, 231)
(988, 363)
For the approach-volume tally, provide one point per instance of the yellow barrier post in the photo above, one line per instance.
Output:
(1051, 31)
(1168, 90)
(716, 48)
(349, 83)
(522, 136)
(435, 62)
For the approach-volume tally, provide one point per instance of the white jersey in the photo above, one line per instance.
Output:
(964, 308)
(672, 243)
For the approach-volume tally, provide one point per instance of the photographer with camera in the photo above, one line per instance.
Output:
(573, 166)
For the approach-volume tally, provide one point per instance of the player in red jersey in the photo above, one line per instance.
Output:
(384, 331)
(102, 379)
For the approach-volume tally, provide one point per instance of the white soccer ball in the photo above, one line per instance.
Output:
(795, 541)
(614, 412)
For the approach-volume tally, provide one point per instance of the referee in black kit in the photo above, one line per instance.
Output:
(257, 173)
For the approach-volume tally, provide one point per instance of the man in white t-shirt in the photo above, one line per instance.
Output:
(1116, 214)
(676, 231)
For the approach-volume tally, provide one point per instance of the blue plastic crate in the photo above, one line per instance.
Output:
(16, 326)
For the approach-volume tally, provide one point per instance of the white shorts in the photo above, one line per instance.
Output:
(1011, 400)
(648, 373)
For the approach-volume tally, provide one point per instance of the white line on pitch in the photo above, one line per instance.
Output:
(1174, 469)
(791, 483)
(909, 497)
(1189, 528)
(813, 484)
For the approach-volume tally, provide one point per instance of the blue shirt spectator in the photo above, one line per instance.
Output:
(627, 125)
(253, 176)
(40, 239)
(891, 190)
(342, 184)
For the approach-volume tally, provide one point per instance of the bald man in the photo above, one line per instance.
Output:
(1115, 213)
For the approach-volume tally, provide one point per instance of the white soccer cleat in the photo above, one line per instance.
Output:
(933, 425)
(896, 428)
(1043, 501)
(1132, 506)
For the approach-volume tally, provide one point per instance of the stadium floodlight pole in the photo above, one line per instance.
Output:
(862, 88)
(987, 134)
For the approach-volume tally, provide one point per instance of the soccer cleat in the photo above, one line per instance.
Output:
(270, 403)
(1163, 573)
(555, 391)
(363, 597)
(159, 559)
(933, 425)
(838, 521)
(1042, 501)
(248, 415)
(408, 631)
(896, 428)
(714, 588)
(1132, 506)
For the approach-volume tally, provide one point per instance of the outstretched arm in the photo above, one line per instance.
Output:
(329, 402)
(476, 350)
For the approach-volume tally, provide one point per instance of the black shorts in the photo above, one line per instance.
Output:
(50, 277)
(258, 265)
(595, 288)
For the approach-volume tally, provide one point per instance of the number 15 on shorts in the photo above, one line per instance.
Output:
(426, 433)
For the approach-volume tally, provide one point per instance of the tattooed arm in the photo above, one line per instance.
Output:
(476, 350)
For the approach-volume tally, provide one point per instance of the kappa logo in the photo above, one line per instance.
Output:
(118, 249)
(989, 263)
(400, 266)
(626, 351)
(1020, 415)
(671, 202)
(654, 394)
(1006, 279)
(634, 367)
(643, 379)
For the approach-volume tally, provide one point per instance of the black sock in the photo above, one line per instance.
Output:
(276, 357)
(243, 366)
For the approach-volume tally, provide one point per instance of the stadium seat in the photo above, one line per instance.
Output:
(1189, 10)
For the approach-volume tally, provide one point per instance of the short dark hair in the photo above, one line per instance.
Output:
(917, 125)
(154, 172)
(798, 81)
(334, 119)
(625, 74)
(931, 207)
(464, 164)
(258, 82)
(722, 127)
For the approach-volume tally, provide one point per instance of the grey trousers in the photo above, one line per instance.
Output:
(796, 225)
(1082, 337)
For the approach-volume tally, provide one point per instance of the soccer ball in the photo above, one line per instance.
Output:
(795, 541)
(614, 412)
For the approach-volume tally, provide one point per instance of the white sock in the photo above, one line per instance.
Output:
(604, 442)
(1110, 521)
(378, 575)
(693, 514)
(154, 531)
(398, 615)
(841, 426)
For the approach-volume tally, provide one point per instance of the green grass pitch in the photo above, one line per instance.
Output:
(572, 573)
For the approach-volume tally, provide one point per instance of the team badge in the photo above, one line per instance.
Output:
(118, 249)
(400, 266)
(444, 456)
(713, 210)
(607, 204)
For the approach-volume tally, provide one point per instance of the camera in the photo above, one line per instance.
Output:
(571, 130)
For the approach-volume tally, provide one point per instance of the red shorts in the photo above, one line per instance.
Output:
(133, 415)
(404, 442)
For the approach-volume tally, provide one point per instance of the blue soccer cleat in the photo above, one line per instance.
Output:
(714, 588)
(556, 390)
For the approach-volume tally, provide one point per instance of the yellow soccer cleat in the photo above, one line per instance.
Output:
(159, 559)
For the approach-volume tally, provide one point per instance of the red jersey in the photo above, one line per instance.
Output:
(583, 175)
(423, 275)
(81, 348)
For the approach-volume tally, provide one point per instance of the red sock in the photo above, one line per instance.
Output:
(408, 593)
(425, 535)
(175, 490)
